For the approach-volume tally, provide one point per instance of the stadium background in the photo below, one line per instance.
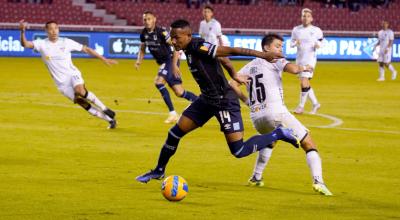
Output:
(56, 162)
(350, 30)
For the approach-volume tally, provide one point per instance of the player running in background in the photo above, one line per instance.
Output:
(268, 110)
(157, 40)
(385, 43)
(217, 99)
(56, 54)
(307, 38)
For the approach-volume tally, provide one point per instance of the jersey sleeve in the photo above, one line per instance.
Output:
(165, 35)
(201, 32)
(37, 45)
(204, 49)
(73, 45)
(391, 36)
(281, 63)
(293, 38)
(218, 30)
(320, 37)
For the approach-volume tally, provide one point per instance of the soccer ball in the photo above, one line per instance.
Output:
(174, 188)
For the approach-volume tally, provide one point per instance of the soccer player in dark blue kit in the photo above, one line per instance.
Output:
(217, 99)
(158, 41)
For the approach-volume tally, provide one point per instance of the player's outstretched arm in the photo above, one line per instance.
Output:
(24, 42)
(92, 52)
(377, 43)
(296, 69)
(140, 56)
(236, 51)
(236, 87)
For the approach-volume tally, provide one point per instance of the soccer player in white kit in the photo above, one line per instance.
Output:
(385, 43)
(307, 38)
(268, 110)
(56, 54)
(210, 30)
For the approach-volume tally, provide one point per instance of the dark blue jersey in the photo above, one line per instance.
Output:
(207, 71)
(156, 41)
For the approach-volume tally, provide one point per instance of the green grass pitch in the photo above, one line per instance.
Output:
(58, 162)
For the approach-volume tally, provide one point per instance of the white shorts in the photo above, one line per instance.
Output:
(306, 74)
(269, 121)
(385, 57)
(67, 87)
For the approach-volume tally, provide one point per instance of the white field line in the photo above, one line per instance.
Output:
(334, 125)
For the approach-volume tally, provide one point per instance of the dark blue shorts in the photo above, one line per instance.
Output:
(165, 71)
(228, 114)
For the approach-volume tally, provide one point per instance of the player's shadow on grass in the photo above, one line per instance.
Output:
(239, 187)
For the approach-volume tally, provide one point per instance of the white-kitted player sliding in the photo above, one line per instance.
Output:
(385, 43)
(56, 54)
(307, 38)
(268, 110)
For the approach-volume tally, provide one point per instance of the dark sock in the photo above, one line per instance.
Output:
(189, 96)
(165, 94)
(305, 89)
(169, 148)
(256, 143)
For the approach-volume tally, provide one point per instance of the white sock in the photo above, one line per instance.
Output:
(95, 112)
(303, 98)
(314, 163)
(381, 72)
(262, 160)
(312, 97)
(93, 99)
(391, 68)
(173, 112)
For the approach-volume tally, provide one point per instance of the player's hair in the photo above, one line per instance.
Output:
(306, 10)
(209, 7)
(148, 13)
(50, 22)
(180, 23)
(267, 39)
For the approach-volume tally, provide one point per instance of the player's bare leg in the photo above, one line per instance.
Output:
(182, 93)
(173, 116)
(307, 92)
(305, 88)
(391, 68)
(381, 72)
(85, 98)
(184, 126)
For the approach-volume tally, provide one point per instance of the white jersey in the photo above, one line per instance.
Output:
(57, 57)
(210, 31)
(384, 37)
(265, 88)
(308, 37)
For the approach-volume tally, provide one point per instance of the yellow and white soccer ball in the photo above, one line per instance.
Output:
(174, 188)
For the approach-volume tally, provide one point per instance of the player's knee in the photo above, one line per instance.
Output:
(174, 135)
(236, 148)
(158, 80)
(179, 92)
(159, 86)
(80, 92)
(308, 145)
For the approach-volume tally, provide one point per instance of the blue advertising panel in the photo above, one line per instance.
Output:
(126, 45)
